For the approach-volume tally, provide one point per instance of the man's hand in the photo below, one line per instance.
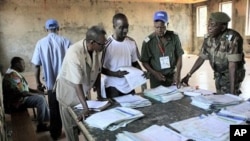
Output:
(185, 80)
(159, 76)
(145, 74)
(41, 87)
(121, 74)
(84, 115)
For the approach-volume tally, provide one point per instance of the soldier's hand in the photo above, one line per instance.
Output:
(159, 76)
(184, 81)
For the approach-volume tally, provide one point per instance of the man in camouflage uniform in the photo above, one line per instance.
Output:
(223, 48)
(161, 53)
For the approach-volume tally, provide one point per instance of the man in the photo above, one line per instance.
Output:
(120, 51)
(223, 48)
(161, 53)
(49, 54)
(18, 95)
(81, 69)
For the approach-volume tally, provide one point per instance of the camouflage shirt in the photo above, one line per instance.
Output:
(221, 50)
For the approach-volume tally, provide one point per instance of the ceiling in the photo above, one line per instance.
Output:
(167, 1)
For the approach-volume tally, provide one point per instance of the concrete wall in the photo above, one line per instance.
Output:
(238, 21)
(22, 22)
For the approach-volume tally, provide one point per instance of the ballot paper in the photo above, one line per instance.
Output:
(152, 133)
(95, 105)
(215, 102)
(192, 91)
(114, 118)
(135, 77)
(164, 94)
(132, 101)
(206, 128)
(240, 111)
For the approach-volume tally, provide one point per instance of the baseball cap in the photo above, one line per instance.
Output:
(220, 17)
(51, 24)
(161, 15)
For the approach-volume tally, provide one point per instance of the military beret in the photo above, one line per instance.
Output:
(220, 17)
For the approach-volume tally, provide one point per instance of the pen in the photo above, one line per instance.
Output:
(125, 112)
(232, 117)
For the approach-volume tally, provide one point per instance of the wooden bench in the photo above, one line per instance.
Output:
(22, 126)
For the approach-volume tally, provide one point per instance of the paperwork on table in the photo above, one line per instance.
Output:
(95, 105)
(152, 133)
(132, 101)
(114, 118)
(214, 102)
(163, 94)
(206, 128)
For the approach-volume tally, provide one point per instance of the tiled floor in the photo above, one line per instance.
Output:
(202, 78)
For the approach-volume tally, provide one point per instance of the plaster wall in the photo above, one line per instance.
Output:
(22, 22)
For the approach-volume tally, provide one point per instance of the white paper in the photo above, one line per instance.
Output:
(92, 104)
(135, 76)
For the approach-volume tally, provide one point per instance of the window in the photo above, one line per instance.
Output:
(248, 18)
(201, 19)
(227, 8)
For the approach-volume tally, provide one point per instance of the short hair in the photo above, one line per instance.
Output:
(94, 33)
(119, 16)
(15, 60)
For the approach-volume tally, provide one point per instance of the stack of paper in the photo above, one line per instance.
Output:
(132, 101)
(215, 102)
(240, 111)
(95, 105)
(164, 94)
(113, 118)
(206, 128)
(191, 91)
(135, 77)
(152, 133)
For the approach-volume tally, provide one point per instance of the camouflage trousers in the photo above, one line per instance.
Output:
(222, 82)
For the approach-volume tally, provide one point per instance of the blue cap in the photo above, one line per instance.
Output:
(51, 24)
(161, 15)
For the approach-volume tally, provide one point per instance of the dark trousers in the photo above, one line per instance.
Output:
(55, 119)
(112, 92)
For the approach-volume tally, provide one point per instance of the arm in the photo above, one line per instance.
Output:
(97, 86)
(195, 67)
(158, 75)
(82, 99)
(178, 71)
(114, 73)
(37, 76)
(232, 69)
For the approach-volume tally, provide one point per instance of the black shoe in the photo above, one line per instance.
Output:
(42, 128)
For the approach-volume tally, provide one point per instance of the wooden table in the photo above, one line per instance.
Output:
(157, 113)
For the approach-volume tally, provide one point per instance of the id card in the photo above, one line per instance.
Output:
(165, 63)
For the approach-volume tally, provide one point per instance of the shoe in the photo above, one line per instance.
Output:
(42, 128)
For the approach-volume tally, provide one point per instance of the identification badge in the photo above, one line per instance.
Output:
(165, 63)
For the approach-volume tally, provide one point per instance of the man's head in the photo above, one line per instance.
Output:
(17, 63)
(160, 22)
(217, 23)
(95, 38)
(120, 25)
(52, 25)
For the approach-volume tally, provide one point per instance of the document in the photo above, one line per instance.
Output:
(132, 101)
(95, 105)
(114, 118)
(152, 133)
(135, 76)
(210, 128)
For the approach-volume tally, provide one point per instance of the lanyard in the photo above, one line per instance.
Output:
(160, 46)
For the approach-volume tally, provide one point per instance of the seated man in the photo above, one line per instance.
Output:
(18, 95)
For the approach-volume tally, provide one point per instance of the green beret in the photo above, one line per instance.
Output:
(220, 17)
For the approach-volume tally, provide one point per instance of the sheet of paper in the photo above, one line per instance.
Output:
(93, 104)
(135, 76)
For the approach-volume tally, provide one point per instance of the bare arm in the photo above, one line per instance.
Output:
(195, 67)
(232, 69)
(82, 98)
(178, 71)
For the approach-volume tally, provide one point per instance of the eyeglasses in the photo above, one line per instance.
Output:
(100, 44)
